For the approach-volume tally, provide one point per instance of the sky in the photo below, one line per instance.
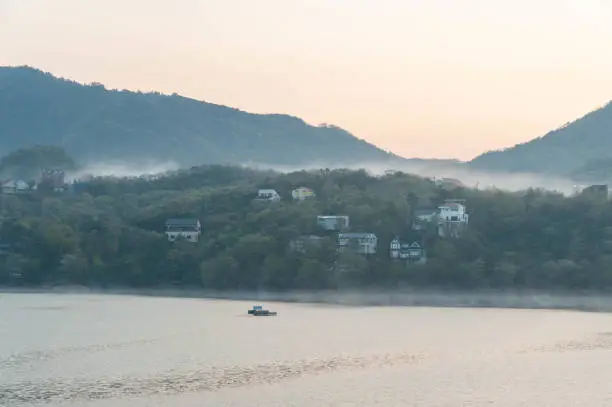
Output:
(421, 78)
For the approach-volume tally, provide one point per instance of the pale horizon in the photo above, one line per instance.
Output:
(429, 79)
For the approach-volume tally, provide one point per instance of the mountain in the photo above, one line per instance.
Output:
(92, 123)
(584, 142)
(597, 171)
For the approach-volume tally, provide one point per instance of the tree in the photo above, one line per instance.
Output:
(111, 233)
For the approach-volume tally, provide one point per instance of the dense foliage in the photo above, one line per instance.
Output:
(27, 163)
(96, 124)
(110, 232)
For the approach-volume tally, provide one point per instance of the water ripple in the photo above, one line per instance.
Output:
(210, 379)
(24, 358)
(600, 341)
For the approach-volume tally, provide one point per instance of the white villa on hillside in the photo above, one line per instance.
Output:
(187, 228)
(302, 193)
(362, 243)
(333, 222)
(12, 186)
(452, 219)
(268, 195)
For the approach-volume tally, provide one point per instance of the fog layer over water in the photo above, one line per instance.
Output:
(109, 350)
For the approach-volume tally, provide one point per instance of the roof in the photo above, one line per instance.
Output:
(15, 184)
(454, 181)
(450, 205)
(598, 187)
(424, 211)
(406, 245)
(309, 237)
(182, 222)
(355, 235)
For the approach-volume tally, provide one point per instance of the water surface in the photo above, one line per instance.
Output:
(129, 351)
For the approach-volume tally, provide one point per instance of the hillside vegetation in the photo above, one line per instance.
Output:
(94, 124)
(560, 152)
(110, 232)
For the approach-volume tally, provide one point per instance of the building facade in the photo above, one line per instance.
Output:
(362, 243)
(333, 222)
(410, 252)
(53, 180)
(268, 195)
(302, 193)
(452, 219)
(185, 228)
(15, 186)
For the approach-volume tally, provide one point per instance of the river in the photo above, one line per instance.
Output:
(129, 351)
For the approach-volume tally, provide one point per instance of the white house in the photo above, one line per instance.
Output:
(362, 243)
(12, 187)
(452, 219)
(302, 193)
(333, 222)
(268, 195)
(452, 212)
(187, 228)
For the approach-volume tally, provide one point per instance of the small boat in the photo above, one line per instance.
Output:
(258, 311)
(255, 308)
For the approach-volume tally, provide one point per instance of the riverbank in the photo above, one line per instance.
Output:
(594, 302)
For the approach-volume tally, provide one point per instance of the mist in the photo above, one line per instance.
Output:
(446, 169)
(421, 167)
(123, 169)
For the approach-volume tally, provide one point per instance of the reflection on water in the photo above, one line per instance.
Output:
(93, 350)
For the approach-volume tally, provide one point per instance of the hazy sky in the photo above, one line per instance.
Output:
(431, 78)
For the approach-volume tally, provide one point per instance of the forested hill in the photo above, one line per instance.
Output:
(95, 124)
(565, 151)
(110, 232)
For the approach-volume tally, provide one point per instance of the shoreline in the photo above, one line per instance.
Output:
(591, 302)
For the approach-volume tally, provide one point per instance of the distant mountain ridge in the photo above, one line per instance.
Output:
(95, 124)
(574, 149)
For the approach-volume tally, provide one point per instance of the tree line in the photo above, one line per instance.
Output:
(109, 232)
